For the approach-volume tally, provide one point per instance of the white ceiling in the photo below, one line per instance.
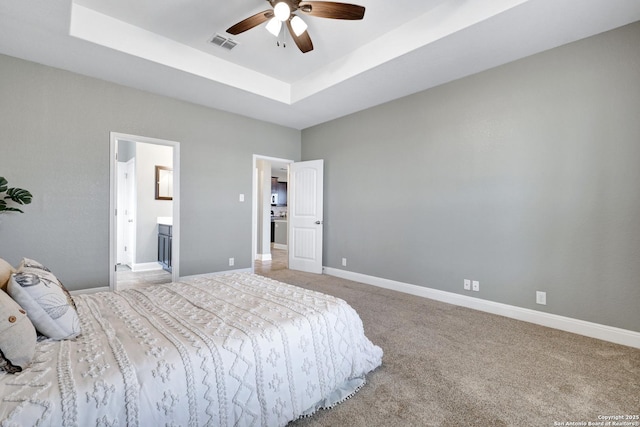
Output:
(400, 47)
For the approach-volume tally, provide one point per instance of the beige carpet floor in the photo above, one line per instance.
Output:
(451, 366)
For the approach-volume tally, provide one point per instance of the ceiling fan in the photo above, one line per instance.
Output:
(283, 12)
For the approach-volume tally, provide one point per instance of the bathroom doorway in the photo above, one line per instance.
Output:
(145, 207)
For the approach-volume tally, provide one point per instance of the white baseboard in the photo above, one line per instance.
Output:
(146, 266)
(90, 291)
(568, 324)
(280, 246)
(263, 257)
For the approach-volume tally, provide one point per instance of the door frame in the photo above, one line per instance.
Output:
(114, 137)
(123, 232)
(254, 205)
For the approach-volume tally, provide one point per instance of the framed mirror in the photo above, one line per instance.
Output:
(164, 183)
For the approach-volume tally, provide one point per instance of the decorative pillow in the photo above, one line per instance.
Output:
(48, 304)
(17, 336)
(5, 273)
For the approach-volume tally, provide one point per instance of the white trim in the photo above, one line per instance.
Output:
(568, 324)
(264, 257)
(90, 290)
(280, 246)
(146, 266)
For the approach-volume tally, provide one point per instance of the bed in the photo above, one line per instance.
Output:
(229, 350)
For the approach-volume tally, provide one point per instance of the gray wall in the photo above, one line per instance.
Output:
(525, 177)
(54, 141)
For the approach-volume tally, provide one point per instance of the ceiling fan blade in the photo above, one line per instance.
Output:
(303, 41)
(330, 9)
(250, 22)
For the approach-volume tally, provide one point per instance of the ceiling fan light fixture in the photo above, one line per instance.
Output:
(298, 25)
(282, 11)
(287, 11)
(273, 26)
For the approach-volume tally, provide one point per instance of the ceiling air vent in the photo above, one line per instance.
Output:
(224, 42)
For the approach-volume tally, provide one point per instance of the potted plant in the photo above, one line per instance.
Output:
(16, 195)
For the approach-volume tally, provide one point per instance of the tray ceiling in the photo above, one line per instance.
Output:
(399, 48)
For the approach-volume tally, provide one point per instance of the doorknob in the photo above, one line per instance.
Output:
(318, 222)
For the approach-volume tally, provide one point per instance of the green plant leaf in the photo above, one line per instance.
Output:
(5, 208)
(19, 195)
(16, 195)
(8, 209)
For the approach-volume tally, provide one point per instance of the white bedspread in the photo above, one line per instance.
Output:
(237, 349)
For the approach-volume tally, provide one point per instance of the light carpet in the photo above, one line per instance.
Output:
(446, 365)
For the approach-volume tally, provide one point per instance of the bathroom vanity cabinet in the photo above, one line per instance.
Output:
(164, 246)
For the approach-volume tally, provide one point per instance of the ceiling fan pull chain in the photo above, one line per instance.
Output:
(282, 36)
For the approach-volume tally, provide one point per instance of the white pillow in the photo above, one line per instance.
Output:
(17, 336)
(49, 305)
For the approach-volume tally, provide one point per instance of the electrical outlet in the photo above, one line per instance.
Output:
(231, 262)
(475, 285)
(541, 298)
(467, 284)
(344, 262)
(241, 198)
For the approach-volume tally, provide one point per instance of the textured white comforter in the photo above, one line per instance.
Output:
(237, 349)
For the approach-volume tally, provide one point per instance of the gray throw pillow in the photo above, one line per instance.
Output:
(47, 302)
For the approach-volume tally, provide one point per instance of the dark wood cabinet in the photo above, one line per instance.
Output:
(282, 193)
(164, 246)
(279, 188)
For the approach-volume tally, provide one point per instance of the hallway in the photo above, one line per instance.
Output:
(279, 261)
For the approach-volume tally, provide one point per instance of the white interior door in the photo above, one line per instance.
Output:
(305, 200)
(130, 214)
(120, 216)
(126, 207)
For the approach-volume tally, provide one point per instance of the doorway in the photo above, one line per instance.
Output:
(140, 210)
(267, 216)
